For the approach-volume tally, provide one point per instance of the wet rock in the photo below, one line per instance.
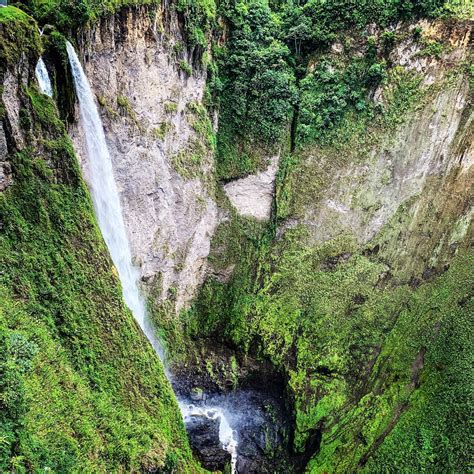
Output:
(204, 438)
(197, 394)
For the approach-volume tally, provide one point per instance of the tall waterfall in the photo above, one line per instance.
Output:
(43, 78)
(106, 198)
(109, 214)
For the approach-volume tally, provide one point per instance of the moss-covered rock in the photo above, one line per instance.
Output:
(365, 273)
(81, 389)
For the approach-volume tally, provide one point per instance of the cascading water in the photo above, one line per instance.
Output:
(43, 78)
(227, 436)
(106, 201)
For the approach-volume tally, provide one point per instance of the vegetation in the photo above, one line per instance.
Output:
(378, 367)
(276, 65)
(258, 87)
(199, 18)
(66, 14)
(18, 37)
(368, 355)
(80, 387)
(361, 359)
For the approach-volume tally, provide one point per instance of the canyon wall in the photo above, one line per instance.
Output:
(156, 128)
(344, 264)
(81, 389)
(422, 163)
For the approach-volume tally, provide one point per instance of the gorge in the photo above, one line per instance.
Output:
(270, 268)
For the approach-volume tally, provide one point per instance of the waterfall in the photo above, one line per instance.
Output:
(43, 78)
(227, 436)
(106, 201)
(106, 198)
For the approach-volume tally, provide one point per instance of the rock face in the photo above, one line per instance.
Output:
(148, 108)
(11, 125)
(5, 168)
(252, 196)
(426, 160)
(44, 186)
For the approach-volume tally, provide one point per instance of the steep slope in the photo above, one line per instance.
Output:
(81, 387)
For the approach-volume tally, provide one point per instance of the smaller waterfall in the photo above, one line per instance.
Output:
(227, 436)
(43, 78)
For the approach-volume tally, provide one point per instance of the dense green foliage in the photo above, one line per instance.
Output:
(199, 18)
(330, 90)
(81, 390)
(276, 62)
(315, 23)
(258, 87)
(18, 36)
(68, 14)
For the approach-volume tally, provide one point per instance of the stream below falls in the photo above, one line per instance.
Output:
(244, 431)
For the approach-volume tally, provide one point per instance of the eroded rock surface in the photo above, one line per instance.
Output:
(419, 173)
(147, 108)
(252, 196)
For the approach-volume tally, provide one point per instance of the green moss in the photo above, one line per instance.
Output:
(412, 415)
(361, 357)
(201, 123)
(80, 387)
(19, 35)
(186, 67)
(160, 132)
(67, 15)
(190, 162)
(171, 107)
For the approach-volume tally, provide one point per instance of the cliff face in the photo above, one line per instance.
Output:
(80, 387)
(360, 295)
(424, 164)
(369, 230)
(161, 141)
(386, 211)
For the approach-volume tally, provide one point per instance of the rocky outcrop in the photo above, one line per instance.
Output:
(252, 196)
(204, 437)
(148, 105)
(5, 168)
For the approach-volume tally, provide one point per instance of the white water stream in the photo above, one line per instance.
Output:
(227, 436)
(43, 78)
(106, 198)
(108, 210)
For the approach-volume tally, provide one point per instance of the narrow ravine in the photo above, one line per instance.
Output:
(108, 211)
